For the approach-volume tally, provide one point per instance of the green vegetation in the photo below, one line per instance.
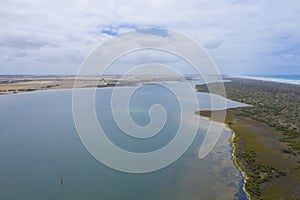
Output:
(267, 134)
(258, 173)
(275, 104)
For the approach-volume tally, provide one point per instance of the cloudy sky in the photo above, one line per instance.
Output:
(242, 36)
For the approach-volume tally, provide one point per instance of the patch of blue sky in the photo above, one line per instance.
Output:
(154, 31)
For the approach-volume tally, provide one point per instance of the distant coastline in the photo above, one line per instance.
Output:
(290, 79)
(12, 84)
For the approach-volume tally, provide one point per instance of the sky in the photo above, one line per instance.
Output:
(242, 37)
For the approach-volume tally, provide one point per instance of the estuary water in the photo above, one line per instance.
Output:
(39, 144)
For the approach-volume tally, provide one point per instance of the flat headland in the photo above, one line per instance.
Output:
(266, 139)
(11, 84)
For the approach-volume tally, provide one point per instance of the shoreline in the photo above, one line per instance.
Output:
(231, 140)
(265, 136)
(235, 162)
(271, 79)
(233, 155)
(14, 85)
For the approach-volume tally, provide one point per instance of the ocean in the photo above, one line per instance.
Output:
(290, 79)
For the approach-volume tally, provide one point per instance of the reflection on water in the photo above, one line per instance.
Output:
(39, 145)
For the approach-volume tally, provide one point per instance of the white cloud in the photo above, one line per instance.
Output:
(241, 36)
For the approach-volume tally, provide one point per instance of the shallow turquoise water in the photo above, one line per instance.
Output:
(39, 144)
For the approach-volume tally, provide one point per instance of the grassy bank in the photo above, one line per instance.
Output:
(265, 145)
